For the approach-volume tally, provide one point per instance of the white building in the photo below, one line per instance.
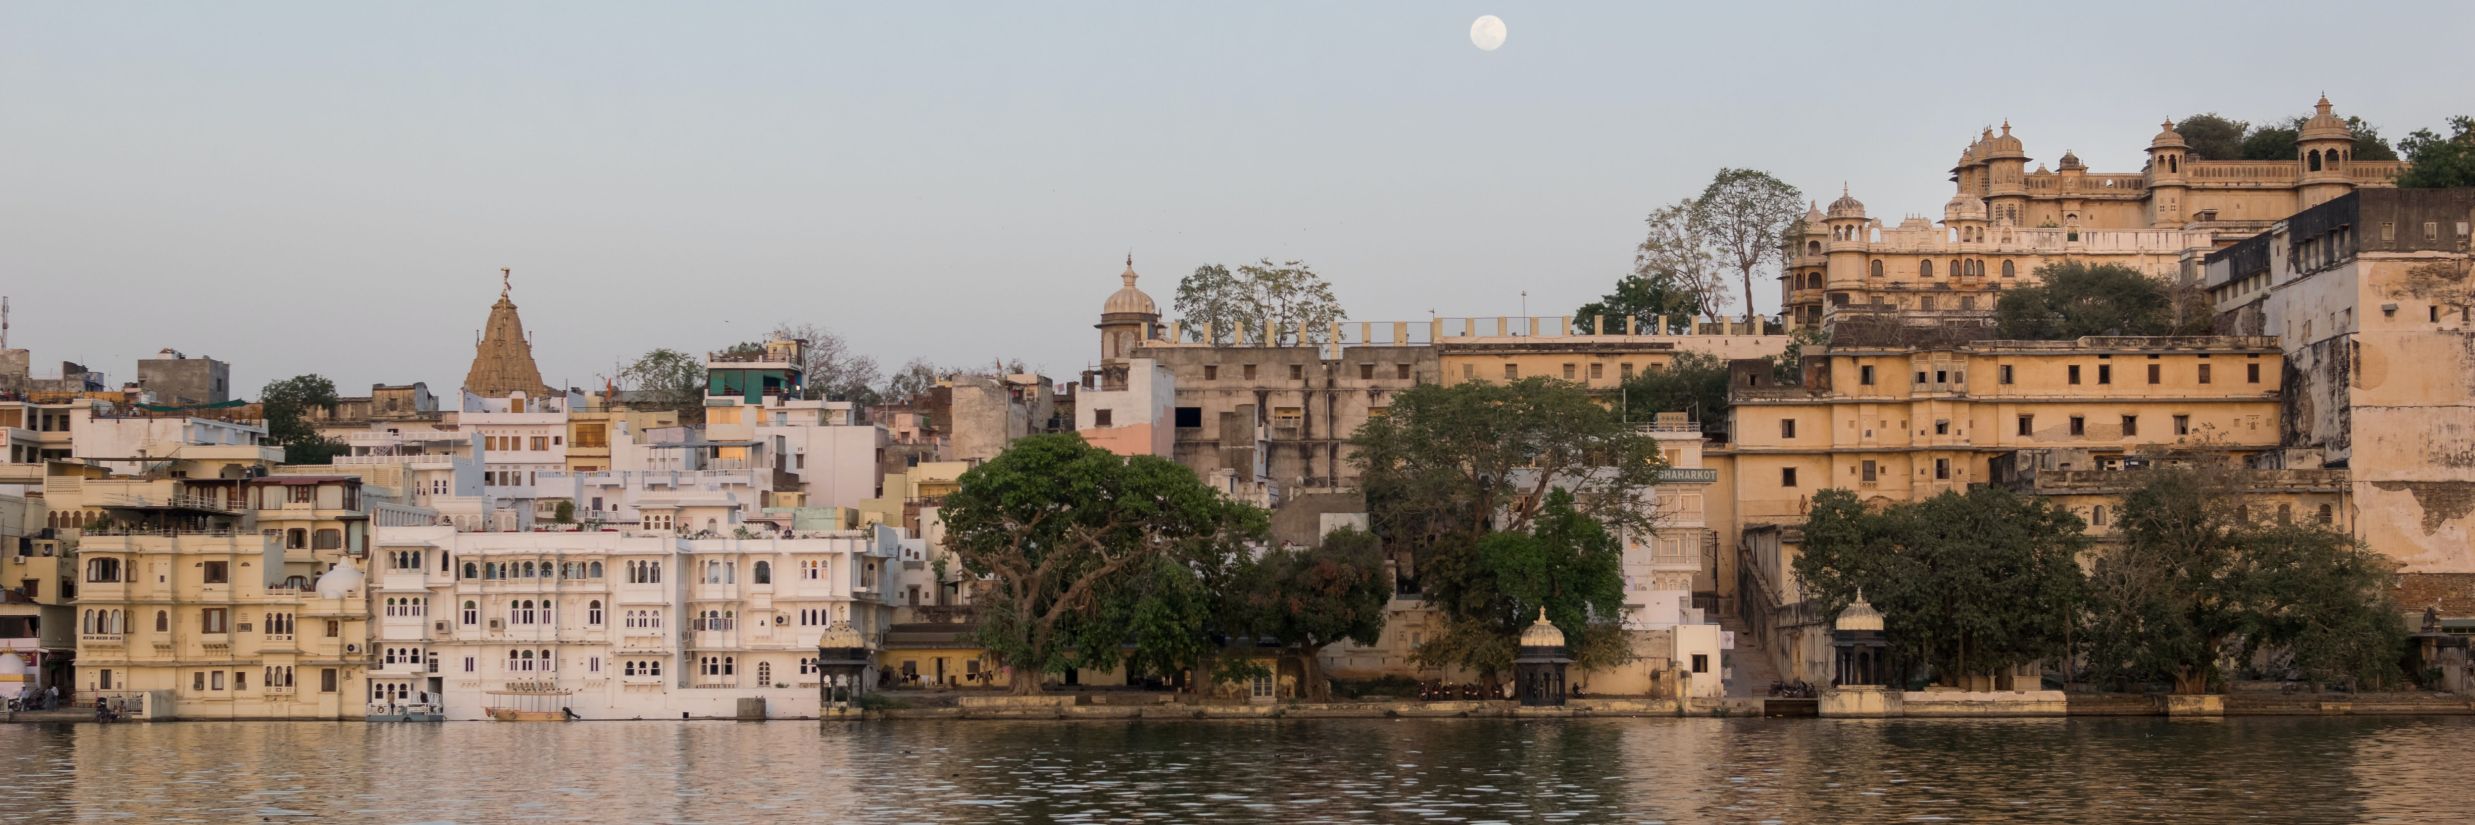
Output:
(622, 625)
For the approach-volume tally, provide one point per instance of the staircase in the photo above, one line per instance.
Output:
(1751, 671)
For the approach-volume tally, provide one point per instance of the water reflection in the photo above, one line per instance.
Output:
(2304, 770)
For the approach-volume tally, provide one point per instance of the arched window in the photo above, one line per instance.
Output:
(764, 674)
(2096, 515)
(764, 573)
(296, 539)
(2174, 164)
(2314, 160)
(593, 612)
(1925, 268)
(528, 570)
(163, 619)
(469, 571)
(2008, 270)
(1877, 268)
(1813, 247)
(594, 570)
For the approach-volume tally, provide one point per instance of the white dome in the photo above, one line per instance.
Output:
(1859, 615)
(1128, 300)
(1542, 633)
(12, 664)
(340, 581)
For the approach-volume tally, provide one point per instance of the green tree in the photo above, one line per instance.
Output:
(2196, 583)
(1063, 531)
(287, 405)
(2436, 162)
(2212, 136)
(1744, 213)
(565, 513)
(1675, 276)
(2075, 299)
(669, 379)
(1289, 296)
(1694, 383)
(1213, 300)
(2269, 142)
(1566, 563)
(1450, 469)
(1308, 599)
(2276, 141)
(1968, 584)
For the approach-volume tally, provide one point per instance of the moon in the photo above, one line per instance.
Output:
(1488, 33)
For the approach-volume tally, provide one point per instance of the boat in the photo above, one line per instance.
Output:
(529, 702)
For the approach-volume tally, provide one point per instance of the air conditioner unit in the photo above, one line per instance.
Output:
(496, 624)
(352, 648)
(439, 626)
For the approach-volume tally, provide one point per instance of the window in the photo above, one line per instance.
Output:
(472, 612)
(1366, 372)
(1512, 372)
(1250, 372)
(1942, 426)
(1864, 375)
(541, 443)
(2006, 373)
(1942, 469)
(217, 684)
(1210, 372)
(2008, 270)
(1787, 428)
(2096, 515)
(1701, 663)
(103, 570)
(2074, 373)
(2105, 373)
(1102, 418)
(1787, 476)
(163, 621)
(1297, 372)
(1400, 371)
(328, 538)
(1598, 371)
(2251, 373)
(2182, 425)
(1870, 470)
(1925, 269)
(764, 673)
(2131, 426)
(2079, 425)
(2153, 373)
(215, 620)
(197, 682)
(2204, 373)
(593, 612)
(218, 572)
(334, 628)
(300, 494)
(1876, 269)
(1572, 372)
(326, 680)
(1627, 372)
(2325, 514)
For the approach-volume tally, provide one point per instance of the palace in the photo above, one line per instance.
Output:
(2005, 221)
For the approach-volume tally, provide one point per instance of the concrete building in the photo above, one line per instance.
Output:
(173, 378)
(2005, 221)
(2368, 297)
(38, 624)
(1899, 423)
(632, 624)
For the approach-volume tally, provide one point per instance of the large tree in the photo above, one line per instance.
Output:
(2212, 136)
(1564, 564)
(1288, 295)
(668, 379)
(1062, 530)
(915, 379)
(2196, 582)
(2074, 299)
(1212, 301)
(1307, 599)
(833, 370)
(1745, 213)
(1676, 270)
(1447, 470)
(1695, 384)
(1968, 584)
(1645, 301)
(2436, 162)
(287, 405)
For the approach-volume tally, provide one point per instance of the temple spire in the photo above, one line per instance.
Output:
(503, 359)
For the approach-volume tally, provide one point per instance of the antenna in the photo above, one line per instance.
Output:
(4, 322)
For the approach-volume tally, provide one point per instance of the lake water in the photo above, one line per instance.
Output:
(1605, 770)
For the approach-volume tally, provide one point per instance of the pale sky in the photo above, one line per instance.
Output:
(332, 187)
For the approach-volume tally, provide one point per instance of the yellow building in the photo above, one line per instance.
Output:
(2006, 220)
(1897, 423)
(229, 597)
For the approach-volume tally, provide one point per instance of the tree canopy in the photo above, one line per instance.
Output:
(1288, 295)
(1467, 482)
(2215, 137)
(915, 379)
(1306, 599)
(1968, 584)
(668, 379)
(1088, 554)
(1695, 383)
(1744, 213)
(833, 370)
(2074, 299)
(2436, 162)
(287, 404)
(2197, 582)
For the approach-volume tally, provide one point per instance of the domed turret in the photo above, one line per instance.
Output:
(340, 581)
(1963, 208)
(2071, 160)
(1859, 615)
(1847, 206)
(1813, 216)
(840, 636)
(2167, 137)
(1542, 633)
(2324, 125)
(2004, 145)
(1129, 300)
